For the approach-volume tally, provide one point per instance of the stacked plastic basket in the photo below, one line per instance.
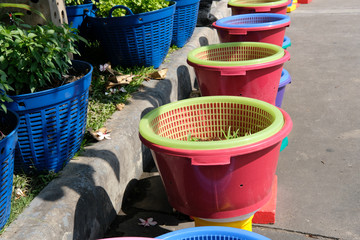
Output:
(225, 144)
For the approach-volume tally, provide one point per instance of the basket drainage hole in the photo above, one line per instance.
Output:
(22, 104)
(241, 185)
(2, 150)
(240, 94)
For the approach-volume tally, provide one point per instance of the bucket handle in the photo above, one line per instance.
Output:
(128, 10)
(263, 9)
(232, 72)
(210, 160)
(238, 32)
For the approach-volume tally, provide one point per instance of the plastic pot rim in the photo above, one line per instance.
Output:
(241, 69)
(229, 152)
(280, 20)
(210, 231)
(274, 3)
(57, 89)
(285, 78)
(147, 133)
(279, 54)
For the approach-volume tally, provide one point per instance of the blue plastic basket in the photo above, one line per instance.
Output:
(7, 149)
(76, 14)
(185, 19)
(286, 43)
(253, 20)
(52, 124)
(285, 78)
(212, 233)
(135, 39)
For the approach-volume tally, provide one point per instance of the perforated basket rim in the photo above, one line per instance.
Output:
(277, 19)
(235, 4)
(212, 232)
(286, 42)
(279, 54)
(182, 3)
(285, 78)
(147, 132)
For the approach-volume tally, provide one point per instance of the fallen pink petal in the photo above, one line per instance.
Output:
(103, 68)
(102, 136)
(148, 222)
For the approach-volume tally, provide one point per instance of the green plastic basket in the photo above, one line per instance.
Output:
(208, 118)
(255, 3)
(236, 54)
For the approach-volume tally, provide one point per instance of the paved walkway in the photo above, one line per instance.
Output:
(318, 173)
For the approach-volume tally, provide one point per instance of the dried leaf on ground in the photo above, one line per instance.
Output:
(159, 74)
(19, 193)
(116, 80)
(120, 106)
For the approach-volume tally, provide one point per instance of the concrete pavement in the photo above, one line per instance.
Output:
(318, 173)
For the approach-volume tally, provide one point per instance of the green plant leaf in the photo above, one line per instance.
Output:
(32, 35)
(22, 6)
(3, 107)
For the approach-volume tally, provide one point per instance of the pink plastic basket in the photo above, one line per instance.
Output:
(258, 81)
(278, 6)
(216, 183)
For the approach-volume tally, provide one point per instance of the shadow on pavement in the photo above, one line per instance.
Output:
(146, 198)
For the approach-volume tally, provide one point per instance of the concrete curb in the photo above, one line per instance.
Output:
(83, 202)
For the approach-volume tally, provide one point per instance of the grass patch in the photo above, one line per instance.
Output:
(25, 189)
(102, 102)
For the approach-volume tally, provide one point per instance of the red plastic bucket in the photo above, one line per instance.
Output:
(258, 81)
(257, 6)
(214, 183)
(257, 27)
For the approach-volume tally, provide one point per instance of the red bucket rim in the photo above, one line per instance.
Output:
(242, 69)
(283, 4)
(225, 153)
(248, 29)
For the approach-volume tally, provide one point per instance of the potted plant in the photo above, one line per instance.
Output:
(131, 33)
(76, 10)
(48, 91)
(9, 124)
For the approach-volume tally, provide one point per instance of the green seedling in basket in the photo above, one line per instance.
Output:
(226, 136)
(230, 135)
(190, 138)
